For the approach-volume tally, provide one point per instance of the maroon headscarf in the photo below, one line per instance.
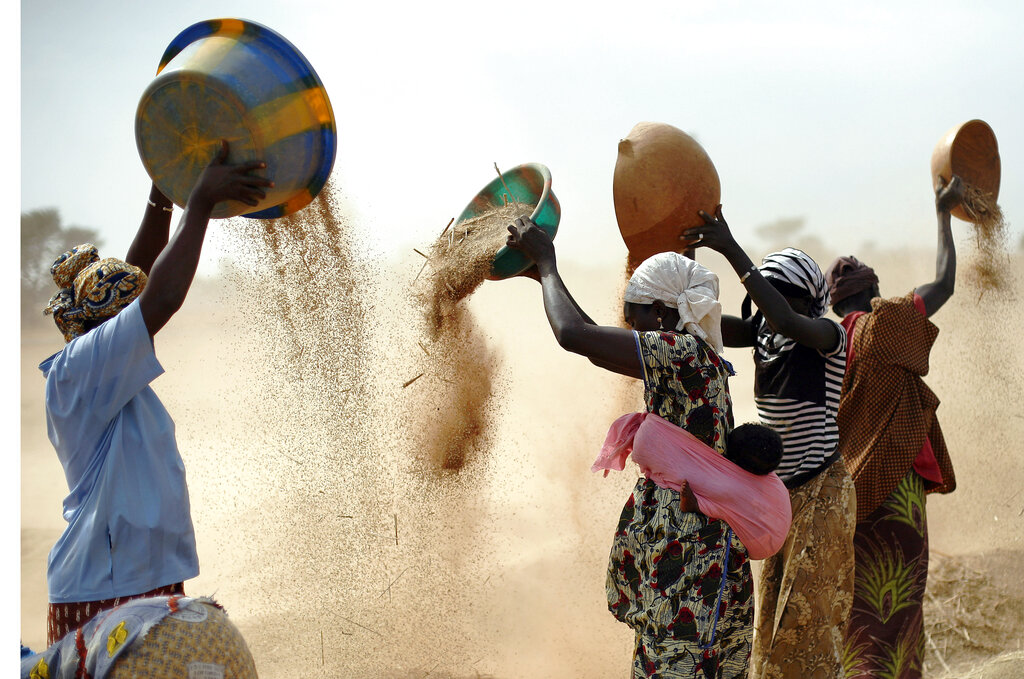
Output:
(847, 276)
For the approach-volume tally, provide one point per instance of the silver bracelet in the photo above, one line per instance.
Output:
(165, 209)
(744, 277)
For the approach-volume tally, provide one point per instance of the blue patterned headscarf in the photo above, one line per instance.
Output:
(90, 288)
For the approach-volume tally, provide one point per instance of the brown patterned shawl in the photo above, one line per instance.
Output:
(886, 409)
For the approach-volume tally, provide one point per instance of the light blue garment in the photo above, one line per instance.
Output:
(129, 527)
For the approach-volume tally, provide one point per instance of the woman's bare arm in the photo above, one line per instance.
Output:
(609, 347)
(817, 333)
(151, 238)
(938, 292)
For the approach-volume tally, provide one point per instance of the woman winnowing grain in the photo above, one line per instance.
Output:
(680, 579)
(891, 442)
(129, 531)
(805, 591)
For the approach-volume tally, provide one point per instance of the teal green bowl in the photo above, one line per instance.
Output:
(529, 183)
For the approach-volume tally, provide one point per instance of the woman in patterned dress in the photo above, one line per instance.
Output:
(892, 443)
(679, 579)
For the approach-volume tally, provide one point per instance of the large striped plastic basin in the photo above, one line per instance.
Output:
(237, 80)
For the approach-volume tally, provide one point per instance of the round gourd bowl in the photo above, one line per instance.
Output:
(240, 81)
(969, 151)
(662, 179)
(529, 183)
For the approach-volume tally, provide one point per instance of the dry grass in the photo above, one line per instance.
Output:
(973, 611)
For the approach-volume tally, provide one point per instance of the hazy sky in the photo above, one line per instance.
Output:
(807, 109)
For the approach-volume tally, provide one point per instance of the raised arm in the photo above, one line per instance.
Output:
(938, 292)
(176, 265)
(609, 347)
(738, 332)
(533, 273)
(152, 235)
(817, 333)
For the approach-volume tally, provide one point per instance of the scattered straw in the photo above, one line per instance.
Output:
(412, 380)
(508, 192)
(461, 262)
(453, 412)
(368, 629)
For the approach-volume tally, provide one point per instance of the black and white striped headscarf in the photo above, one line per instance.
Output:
(797, 268)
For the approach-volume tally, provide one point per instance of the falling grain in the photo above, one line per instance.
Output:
(457, 268)
(452, 417)
(987, 265)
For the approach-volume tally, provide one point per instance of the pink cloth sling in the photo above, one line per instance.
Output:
(756, 507)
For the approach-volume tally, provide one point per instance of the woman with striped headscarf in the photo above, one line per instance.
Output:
(806, 589)
(129, 531)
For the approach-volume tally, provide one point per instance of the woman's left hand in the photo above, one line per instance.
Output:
(531, 240)
(713, 234)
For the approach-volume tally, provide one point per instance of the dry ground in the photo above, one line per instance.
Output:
(339, 554)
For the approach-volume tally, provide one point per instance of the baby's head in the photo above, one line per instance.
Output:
(754, 448)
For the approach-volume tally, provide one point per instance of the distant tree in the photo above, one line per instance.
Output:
(782, 230)
(43, 238)
(789, 232)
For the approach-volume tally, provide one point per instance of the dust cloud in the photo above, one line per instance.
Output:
(340, 550)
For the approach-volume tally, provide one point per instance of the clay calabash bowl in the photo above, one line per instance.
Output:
(969, 151)
(663, 178)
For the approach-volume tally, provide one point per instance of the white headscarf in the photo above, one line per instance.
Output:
(683, 284)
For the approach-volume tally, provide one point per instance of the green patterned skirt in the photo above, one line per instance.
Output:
(885, 638)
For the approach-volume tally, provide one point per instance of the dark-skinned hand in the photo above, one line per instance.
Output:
(949, 194)
(531, 240)
(713, 234)
(221, 181)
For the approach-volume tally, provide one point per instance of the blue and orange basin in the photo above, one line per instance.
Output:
(240, 81)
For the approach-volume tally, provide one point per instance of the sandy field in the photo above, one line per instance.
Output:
(340, 550)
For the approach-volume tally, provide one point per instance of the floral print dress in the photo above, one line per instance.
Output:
(681, 580)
